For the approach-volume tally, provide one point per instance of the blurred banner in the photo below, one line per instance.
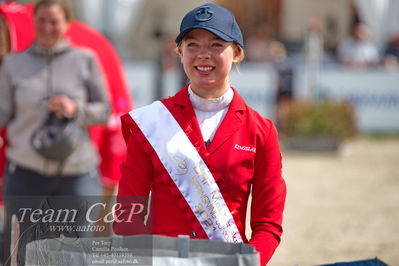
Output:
(257, 84)
(373, 93)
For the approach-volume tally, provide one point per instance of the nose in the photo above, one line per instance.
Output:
(204, 52)
(46, 27)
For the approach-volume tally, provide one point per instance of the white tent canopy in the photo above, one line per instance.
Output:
(382, 16)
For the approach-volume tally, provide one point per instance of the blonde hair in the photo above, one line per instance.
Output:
(5, 42)
(241, 52)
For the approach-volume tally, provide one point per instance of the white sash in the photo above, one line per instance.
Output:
(187, 170)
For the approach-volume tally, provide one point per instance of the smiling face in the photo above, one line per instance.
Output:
(50, 25)
(207, 61)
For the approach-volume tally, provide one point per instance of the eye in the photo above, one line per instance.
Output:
(217, 44)
(192, 44)
(41, 20)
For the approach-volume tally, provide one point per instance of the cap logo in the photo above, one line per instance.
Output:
(203, 14)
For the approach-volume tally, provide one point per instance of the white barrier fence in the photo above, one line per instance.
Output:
(373, 93)
(257, 84)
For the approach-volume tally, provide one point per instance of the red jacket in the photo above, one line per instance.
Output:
(241, 168)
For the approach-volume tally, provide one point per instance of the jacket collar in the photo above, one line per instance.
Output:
(59, 48)
(230, 124)
(182, 99)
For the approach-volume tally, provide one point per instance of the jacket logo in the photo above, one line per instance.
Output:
(244, 148)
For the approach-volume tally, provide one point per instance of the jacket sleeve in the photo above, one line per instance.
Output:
(134, 187)
(268, 196)
(6, 94)
(96, 110)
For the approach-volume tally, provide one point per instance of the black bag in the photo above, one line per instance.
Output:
(57, 138)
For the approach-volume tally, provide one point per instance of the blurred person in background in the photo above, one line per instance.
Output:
(391, 55)
(4, 49)
(203, 143)
(357, 50)
(50, 77)
(261, 48)
(19, 34)
(314, 41)
(314, 53)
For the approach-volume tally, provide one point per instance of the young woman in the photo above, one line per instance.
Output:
(203, 151)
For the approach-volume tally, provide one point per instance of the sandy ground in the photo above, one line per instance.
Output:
(341, 207)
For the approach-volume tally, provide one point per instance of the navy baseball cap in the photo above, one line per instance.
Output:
(215, 19)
